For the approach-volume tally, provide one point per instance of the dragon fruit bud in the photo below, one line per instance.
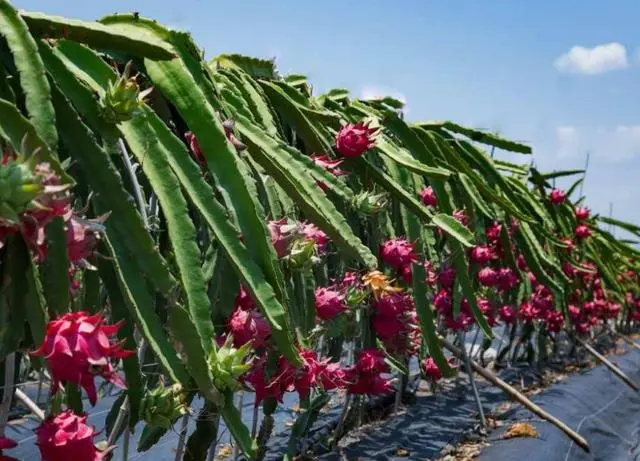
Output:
(25, 184)
(247, 326)
(370, 204)
(77, 348)
(301, 253)
(163, 405)
(398, 253)
(557, 196)
(228, 365)
(67, 437)
(329, 303)
(123, 98)
(582, 213)
(353, 140)
(428, 196)
(481, 254)
(582, 231)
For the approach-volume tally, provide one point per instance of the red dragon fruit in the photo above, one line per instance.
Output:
(583, 231)
(398, 253)
(493, 232)
(333, 376)
(557, 196)
(481, 254)
(582, 213)
(329, 303)
(77, 348)
(246, 326)
(508, 314)
(432, 370)
(488, 277)
(428, 196)
(447, 276)
(67, 437)
(282, 235)
(371, 361)
(353, 140)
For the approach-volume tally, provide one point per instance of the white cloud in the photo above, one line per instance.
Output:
(377, 92)
(568, 141)
(592, 61)
(618, 144)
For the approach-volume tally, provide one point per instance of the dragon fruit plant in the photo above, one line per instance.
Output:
(189, 230)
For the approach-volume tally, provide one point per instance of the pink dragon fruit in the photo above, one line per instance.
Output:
(428, 196)
(488, 277)
(371, 361)
(249, 325)
(557, 196)
(353, 140)
(67, 437)
(333, 376)
(582, 213)
(481, 254)
(508, 314)
(398, 253)
(583, 231)
(329, 303)
(77, 348)
(447, 276)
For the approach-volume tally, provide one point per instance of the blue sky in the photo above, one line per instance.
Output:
(561, 75)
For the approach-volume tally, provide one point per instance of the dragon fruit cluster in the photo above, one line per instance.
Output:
(396, 323)
(361, 378)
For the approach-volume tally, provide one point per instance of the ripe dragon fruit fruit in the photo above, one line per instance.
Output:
(508, 314)
(67, 437)
(333, 376)
(582, 231)
(398, 253)
(582, 213)
(432, 370)
(77, 349)
(557, 196)
(488, 277)
(481, 254)
(428, 196)
(329, 303)
(353, 140)
(248, 325)
(365, 377)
